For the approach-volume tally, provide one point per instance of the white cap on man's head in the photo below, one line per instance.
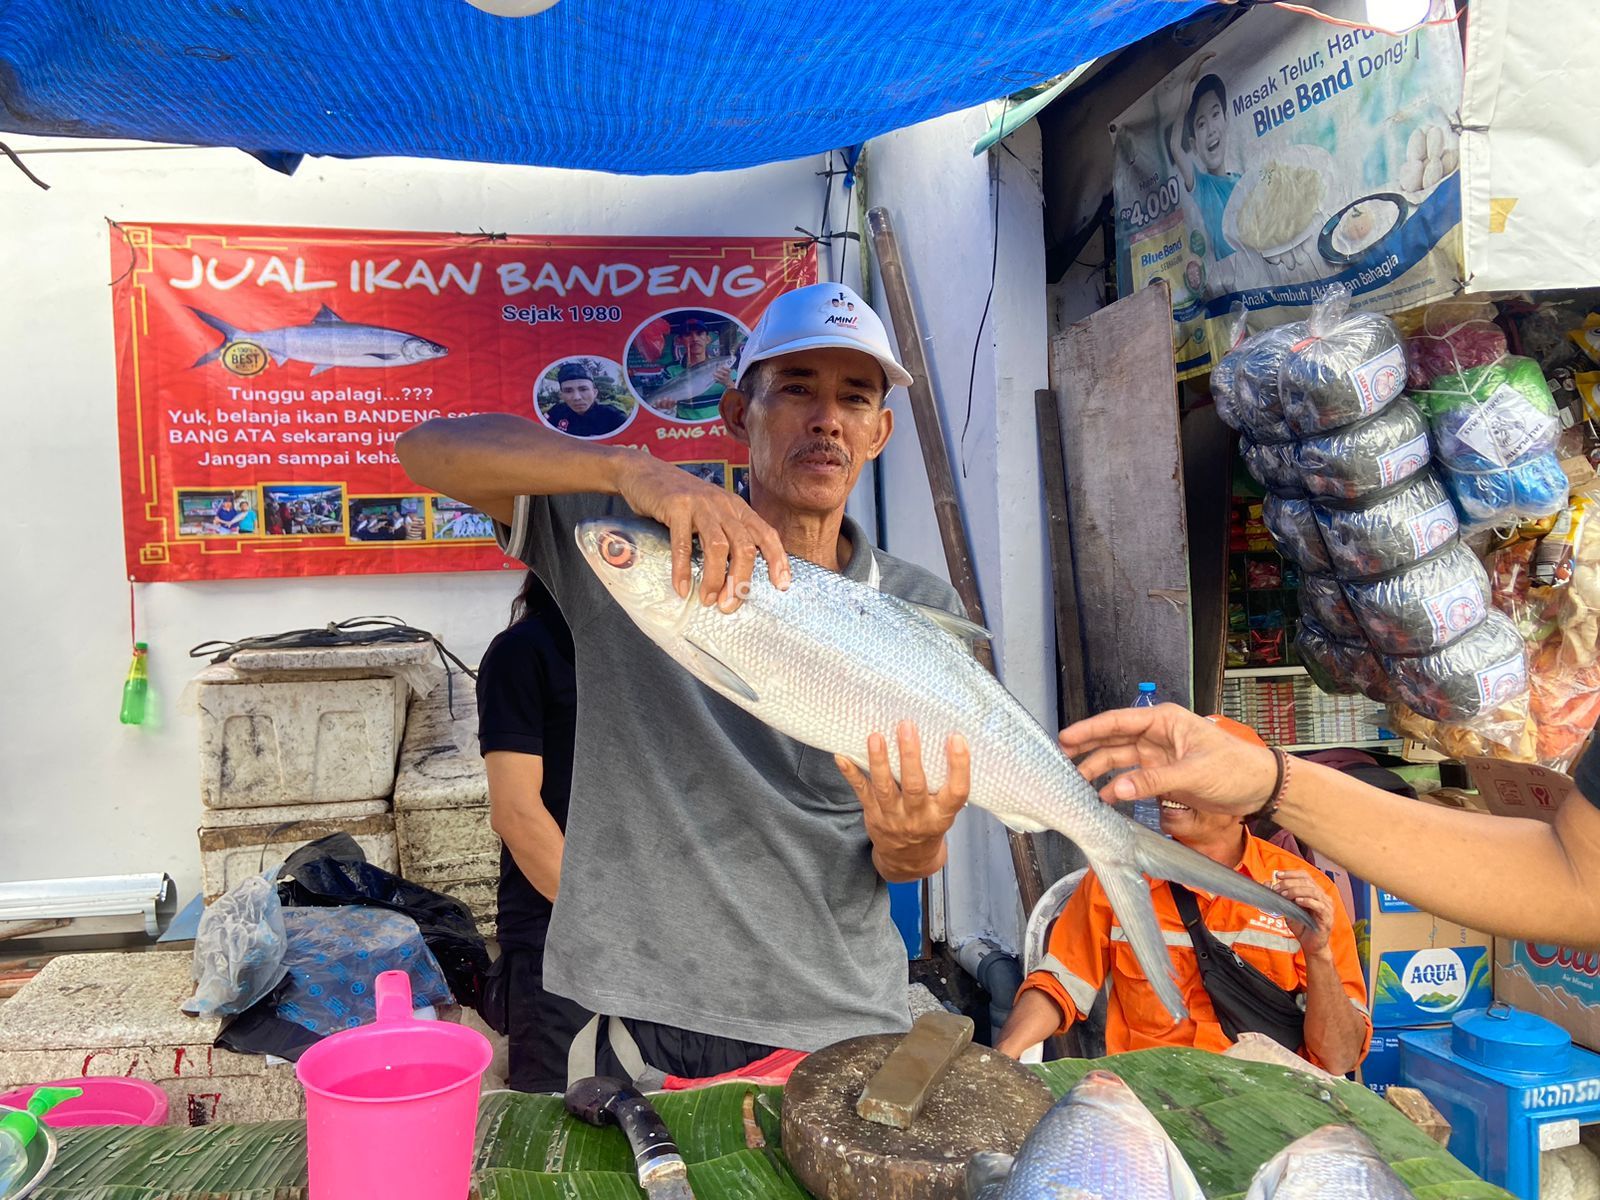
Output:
(824, 314)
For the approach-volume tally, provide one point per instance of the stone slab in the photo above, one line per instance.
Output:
(387, 656)
(440, 766)
(317, 741)
(286, 814)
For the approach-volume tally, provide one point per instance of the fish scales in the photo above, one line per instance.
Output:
(1335, 1162)
(830, 660)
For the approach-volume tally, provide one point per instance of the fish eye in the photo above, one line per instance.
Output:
(616, 550)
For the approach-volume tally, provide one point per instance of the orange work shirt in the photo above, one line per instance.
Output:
(1088, 948)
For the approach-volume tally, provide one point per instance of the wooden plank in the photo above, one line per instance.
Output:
(1208, 447)
(1115, 378)
(1073, 696)
(941, 480)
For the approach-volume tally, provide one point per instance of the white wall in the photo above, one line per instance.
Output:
(942, 202)
(81, 793)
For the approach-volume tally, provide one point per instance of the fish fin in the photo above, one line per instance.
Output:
(1267, 1177)
(1162, 858)
(986, 1174)
(318, 369)
(228, 332)
(326, 316)
(383, 356)
(957, 627)
(1130, 902)
(1021, 824)
(1184, 1186)
(720, 671)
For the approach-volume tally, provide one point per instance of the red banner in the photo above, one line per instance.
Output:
(264, 374)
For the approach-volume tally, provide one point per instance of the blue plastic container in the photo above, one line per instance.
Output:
(1510, 1083)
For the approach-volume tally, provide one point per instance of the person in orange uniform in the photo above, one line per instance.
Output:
(1316, 966)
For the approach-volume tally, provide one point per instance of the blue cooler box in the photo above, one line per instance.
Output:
(1510, 1083)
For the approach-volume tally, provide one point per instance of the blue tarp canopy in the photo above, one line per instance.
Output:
(638, 88)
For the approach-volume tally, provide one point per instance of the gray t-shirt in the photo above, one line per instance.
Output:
(717, 875)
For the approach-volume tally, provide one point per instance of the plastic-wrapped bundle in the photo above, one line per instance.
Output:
(1244, 383)
(1494, 430)
(1340, 667)
(1396, 529)
(1352, 371)
(1423, 608)
(1323, 600)
(1475, 674)
(1365, 457)
(1533, 488)
(1294, 527)
(1455, 335)
(1271, 464)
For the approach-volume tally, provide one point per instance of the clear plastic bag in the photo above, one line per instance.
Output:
(1322, 599)
(1245, 382)
(1482, 671)
(1272, 465)
(1339, 667)
(1368, 456)
(1347, 368)
(1425, 607)
(238, 949)
(1389, 532)
(1294, 528)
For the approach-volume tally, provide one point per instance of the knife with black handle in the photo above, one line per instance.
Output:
(605, 1100)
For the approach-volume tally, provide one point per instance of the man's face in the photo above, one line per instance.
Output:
(1210, 129)
(1188, 825)
(578, 394)
(816, 418)
(695, 343)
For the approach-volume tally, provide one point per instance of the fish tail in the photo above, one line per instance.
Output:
(1162, 858)
(228, 332)
(1130, 901)
(987, 1172)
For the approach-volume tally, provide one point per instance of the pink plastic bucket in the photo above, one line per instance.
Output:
(106, 1100)
(392, 1107)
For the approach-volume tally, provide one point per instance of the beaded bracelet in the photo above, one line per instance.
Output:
(1279, 786)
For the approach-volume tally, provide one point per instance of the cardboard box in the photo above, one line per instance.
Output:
(1419, 969)
(1511, 789)
(1559, 984)
(1381, 1068)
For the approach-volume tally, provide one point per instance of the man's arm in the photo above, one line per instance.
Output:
(1335, 1032)
(519, 818)
(1034, 1016)
(1504, 875)
(1065, 984)
(490, 459)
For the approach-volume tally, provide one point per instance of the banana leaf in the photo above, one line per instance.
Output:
(1226, 1116)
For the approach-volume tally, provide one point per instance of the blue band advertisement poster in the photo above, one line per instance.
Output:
(1286, 156)
(264, 375)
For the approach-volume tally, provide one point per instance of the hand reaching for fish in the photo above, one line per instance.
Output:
(1174, 753)
(905, 822)
(730, 531)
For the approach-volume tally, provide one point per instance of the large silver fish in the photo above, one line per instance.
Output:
(327, 341)
(697, 380)
(1336, 1162)
(830, 661)
(1098, 1142)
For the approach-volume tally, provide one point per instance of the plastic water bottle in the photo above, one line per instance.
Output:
(1147, 812)
(136, 689)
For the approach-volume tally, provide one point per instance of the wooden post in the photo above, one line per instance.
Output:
(947, 508)
(1074, 693)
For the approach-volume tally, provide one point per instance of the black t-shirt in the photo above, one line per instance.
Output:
(1587, 773)
(528, 704)
(594, 421)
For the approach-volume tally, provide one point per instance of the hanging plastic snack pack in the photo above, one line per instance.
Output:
(1425, 607)
(1471, 677)
(1366, 457)
(1455, 335)
(1587, 338)
(1245, 383)
(1323, 600)
(1494, 434)
(1346, 369)
(1389, 530)
(1294, 528)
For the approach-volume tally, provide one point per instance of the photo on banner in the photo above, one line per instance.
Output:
(264, 375)
(1286, 156)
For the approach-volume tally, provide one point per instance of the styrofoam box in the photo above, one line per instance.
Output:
(440, 766)
(117, 1014)
(231, 853)
(287, 741)
(447, 844)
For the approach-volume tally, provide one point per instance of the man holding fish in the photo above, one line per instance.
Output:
(722, 892)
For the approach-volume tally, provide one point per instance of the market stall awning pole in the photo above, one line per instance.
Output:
(941, 480)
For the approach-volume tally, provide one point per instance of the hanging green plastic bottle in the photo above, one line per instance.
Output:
(136, 689)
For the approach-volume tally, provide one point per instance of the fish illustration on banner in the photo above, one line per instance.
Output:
(264, 375)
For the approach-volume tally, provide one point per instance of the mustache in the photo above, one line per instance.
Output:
(834, 452)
